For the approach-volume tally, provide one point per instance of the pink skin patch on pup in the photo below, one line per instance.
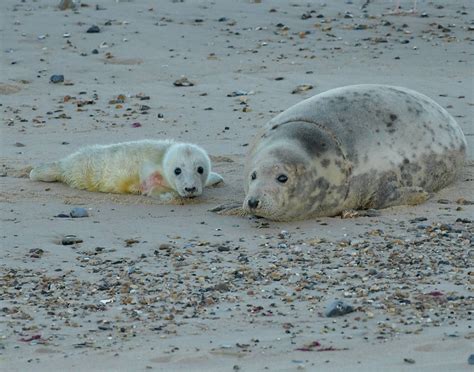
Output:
(154, 180)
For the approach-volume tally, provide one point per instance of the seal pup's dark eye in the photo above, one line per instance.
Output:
(253, 176)
(200, 170)
(177, 171)
(282, 178)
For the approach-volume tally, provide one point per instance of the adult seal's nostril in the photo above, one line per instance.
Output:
(190, 189)
(253, 203)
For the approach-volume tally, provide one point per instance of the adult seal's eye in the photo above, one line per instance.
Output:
(200, 170)
(282, 178)
(177, 171)
(253, 176)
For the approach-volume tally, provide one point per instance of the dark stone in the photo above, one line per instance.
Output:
(56, 79)
(62, 215)
(93, 30)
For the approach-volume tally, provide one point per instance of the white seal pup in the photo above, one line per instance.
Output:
(162, 168)
(355, 147)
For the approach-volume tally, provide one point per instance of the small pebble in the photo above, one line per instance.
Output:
(70, 240)
(93, 30)
(78, 212)
(338, 308)
(56, 79)
(66, 4)
(301, 88)
(183, 82)
(165, 247)
(419, 219)
(238, 93)
(222, 287)
(36, 253)
(62, 215)
(470, 360)
(372, 272)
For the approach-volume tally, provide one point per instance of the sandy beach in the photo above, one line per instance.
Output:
(150, 286)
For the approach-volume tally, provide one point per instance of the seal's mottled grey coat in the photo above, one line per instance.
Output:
(355, 147)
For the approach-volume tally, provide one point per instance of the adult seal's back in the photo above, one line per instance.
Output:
(355, 147)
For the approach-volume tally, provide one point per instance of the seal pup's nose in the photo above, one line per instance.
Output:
(253, 203)
(190, 189)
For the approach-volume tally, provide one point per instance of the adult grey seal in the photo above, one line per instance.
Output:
(355, 147)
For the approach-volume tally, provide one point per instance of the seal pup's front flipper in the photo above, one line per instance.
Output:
(214, 179)
(229, 209)
(49, 172)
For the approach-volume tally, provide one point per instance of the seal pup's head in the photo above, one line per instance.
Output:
(186, 168)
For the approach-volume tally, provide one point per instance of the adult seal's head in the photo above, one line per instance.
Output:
(293, 171)
(186, 168)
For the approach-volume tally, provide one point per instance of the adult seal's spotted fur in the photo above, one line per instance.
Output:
(355, 147)
(162, 168)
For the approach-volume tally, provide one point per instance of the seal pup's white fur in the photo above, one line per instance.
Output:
(162, 168)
